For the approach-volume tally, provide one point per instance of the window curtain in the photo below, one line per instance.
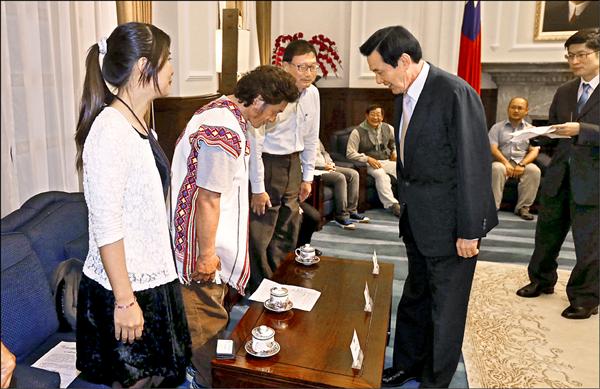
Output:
(44, 45)
(263, 29)
(134, 11)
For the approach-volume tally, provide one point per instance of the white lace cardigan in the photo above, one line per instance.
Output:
(125, 200)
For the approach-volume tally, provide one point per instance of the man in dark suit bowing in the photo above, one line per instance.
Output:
(447, 205)
(569, 191)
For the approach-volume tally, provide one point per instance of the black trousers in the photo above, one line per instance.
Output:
(309, 222)
(431, 315)
(557, 214)
(273, 235)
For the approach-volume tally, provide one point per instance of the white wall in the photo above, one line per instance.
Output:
(507, 31)
(507, 35)
(192, 26)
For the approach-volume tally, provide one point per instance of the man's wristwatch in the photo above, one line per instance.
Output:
(521, 164)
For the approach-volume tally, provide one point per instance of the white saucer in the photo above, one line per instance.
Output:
(273, 308)
(315, 260)
(262, 354)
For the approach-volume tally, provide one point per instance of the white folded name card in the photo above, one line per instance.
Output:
(375, 264)
(357, 353)
(368, 299)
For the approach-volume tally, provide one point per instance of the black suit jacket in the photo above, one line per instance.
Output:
(445, 185)
(581, 151)
(556, 17)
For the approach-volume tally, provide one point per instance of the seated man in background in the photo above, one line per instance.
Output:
(373, 143)
(344, 182)
(514, 159)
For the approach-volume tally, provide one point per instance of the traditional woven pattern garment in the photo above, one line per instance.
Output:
(212, 153)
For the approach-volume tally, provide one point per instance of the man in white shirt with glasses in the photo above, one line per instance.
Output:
(282, 164)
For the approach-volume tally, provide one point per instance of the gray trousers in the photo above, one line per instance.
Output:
(344, 182)
(529, 183)
(274, 234)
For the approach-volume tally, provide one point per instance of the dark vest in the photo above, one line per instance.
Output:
(368, 148)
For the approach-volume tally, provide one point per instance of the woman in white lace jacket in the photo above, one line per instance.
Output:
(131, 325)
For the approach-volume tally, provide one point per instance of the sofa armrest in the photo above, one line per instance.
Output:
(26, 376)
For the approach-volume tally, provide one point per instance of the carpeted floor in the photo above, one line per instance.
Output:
(512, 241)
(513, 342)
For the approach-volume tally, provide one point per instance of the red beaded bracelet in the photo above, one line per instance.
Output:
(127, 305)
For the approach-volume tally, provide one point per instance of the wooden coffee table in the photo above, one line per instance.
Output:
(315, 346)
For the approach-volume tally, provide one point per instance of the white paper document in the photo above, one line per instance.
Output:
(61, 359)
(302, 298)
(319, 172)
(531, 132)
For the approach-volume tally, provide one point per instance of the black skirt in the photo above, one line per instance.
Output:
(164, 349)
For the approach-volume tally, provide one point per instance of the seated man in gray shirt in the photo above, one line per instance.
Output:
(372, 142)
(514, 159)
(344, 182)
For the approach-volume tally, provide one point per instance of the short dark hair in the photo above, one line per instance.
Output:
(298, 47)
(274, 84)
(589, 36)
(373, 107)
(391, 43)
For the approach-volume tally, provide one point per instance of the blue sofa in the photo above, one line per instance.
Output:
(48, 229)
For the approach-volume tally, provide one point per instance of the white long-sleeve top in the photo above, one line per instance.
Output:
(296, 129)
(124, 196)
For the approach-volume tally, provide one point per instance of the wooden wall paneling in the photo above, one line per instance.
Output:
(489, 98)
(171, 115)
(345, 107)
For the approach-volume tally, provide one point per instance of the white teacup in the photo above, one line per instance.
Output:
(279, 296)
(306, 253)
(263, 339)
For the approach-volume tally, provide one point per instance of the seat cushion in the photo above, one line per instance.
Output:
(51, 220)
(28, 310)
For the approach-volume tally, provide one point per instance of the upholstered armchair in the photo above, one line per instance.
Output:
(367, 193)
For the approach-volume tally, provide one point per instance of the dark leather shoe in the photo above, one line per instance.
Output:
(572, 312)
(392, 377)
(534, 290)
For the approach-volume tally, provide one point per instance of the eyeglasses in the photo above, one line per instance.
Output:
(304, 67)
(570, 57)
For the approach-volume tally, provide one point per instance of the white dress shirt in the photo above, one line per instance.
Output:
(296, 129)
(411, 96)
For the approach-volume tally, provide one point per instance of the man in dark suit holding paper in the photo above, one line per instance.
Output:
(569, 191)
(445, 194)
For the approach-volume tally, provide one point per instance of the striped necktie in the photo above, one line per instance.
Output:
(585, 95)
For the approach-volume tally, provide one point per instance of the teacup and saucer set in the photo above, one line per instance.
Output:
(263, 342)
(279, 301)
(306, 255)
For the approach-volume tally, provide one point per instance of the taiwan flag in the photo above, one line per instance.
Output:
(469, 58)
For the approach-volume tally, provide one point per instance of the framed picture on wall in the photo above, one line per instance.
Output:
(558, 20)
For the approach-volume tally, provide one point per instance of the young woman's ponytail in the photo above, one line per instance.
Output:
(118, 55)
(95, 95)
